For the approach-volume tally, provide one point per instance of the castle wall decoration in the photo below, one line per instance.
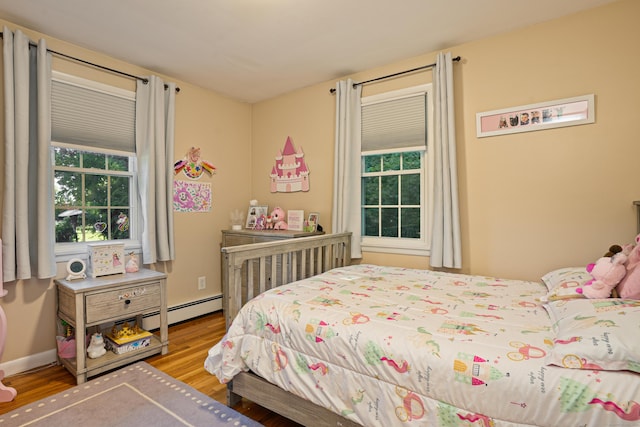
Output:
(290, 172)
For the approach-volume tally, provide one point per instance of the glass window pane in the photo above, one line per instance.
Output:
(118, 163)
(370, 193)
(119, 191)
(372, 163)
(68, 188)
(66, 157)
(410, 223)
(389, 190)
(94, 161)
(96, 190)
(410, 187)
(120, 224)
(371, 222)
(96, 227)
(391, 161)
(66, 221)
(389, 221)
(411, 160)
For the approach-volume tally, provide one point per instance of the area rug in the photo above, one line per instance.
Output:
(137, 395)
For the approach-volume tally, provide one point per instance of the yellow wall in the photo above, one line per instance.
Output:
(530, 202)
(222, 128)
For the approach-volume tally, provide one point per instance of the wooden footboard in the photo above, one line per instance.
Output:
(248, 270)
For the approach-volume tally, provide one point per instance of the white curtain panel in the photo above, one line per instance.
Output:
(28, 221)
(445, 217)
(155, 126)
(346, 175)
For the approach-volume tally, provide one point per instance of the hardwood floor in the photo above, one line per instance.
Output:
(189, 343)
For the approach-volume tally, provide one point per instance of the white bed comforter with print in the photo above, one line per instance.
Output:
(391, 346)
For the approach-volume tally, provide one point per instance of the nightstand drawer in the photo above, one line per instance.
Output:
(107, 305)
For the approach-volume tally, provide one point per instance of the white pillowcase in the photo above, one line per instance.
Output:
(596, 334)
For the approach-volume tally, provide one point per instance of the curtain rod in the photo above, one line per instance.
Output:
(102, 67)
(424, 67)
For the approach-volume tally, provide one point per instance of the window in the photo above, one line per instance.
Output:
(92, 195)
(394, 192)
(94, 163)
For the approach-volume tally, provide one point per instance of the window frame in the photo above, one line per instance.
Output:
(399, 245)
(64, 251)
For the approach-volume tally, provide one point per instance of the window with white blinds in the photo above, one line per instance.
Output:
(92, 115)
(94, 165)
(396, 123)
(395, 195)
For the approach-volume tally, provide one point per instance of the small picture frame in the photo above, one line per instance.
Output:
(254, 213)
(295, 220)
(312, 222)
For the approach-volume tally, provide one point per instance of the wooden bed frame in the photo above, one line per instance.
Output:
(248, 270)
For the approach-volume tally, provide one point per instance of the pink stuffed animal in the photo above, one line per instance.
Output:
(607, 272)
(277, 217)
(629, 286)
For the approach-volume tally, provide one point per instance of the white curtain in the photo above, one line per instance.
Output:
(445, 218)
(28, 220)
(346, 175)
(155, 125)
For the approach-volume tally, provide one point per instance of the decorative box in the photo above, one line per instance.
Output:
(129, 346)
(127, 339)
(106, 259)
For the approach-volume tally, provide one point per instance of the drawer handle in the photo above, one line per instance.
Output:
(127, 301)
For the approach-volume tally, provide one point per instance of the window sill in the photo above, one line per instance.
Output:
(66, 251)
(393, 246)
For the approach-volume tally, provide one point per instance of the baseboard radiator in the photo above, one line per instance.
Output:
(150, 321)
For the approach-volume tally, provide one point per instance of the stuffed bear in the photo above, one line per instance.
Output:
(277, 217)
(629, 286)
(607, 272)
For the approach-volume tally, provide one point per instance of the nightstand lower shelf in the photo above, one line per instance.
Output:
(111, 360)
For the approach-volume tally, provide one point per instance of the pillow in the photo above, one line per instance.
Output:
(562, 283)
(596, 334)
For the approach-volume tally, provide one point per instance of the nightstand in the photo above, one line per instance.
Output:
(87, 304)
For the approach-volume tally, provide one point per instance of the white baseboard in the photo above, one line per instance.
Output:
(182, 312)
(150, 321)
(28, 363)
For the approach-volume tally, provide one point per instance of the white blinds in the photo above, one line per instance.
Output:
(93, 117)
(395, 123)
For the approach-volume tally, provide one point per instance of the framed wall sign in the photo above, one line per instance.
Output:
(579, 110)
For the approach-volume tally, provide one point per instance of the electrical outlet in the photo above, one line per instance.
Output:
(202, 282)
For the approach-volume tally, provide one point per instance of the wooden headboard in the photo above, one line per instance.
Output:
(248, 270)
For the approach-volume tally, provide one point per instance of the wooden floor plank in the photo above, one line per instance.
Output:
(189, 343)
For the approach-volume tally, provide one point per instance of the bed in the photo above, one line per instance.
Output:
(324, 342)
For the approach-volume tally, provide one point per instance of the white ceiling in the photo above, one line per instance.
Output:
(253, 50)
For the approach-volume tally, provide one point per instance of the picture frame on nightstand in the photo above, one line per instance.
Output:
(254, 213)
(312, 222)
(295, 219)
